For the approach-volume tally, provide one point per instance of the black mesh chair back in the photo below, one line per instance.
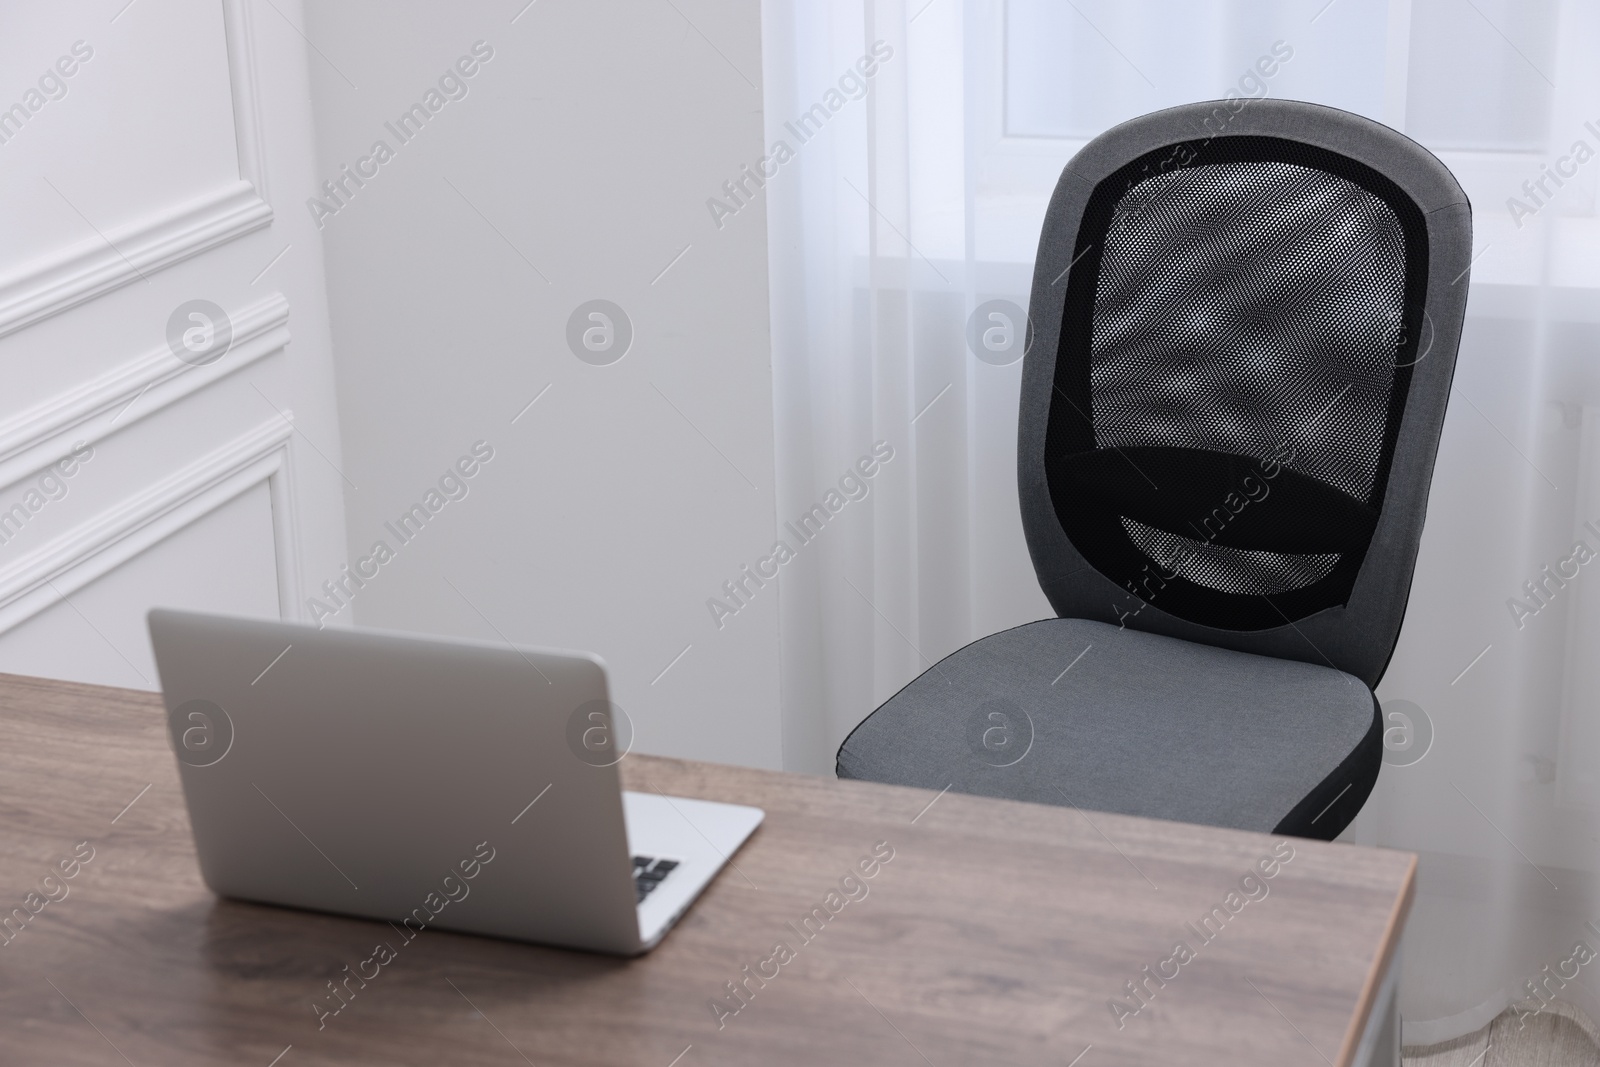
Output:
(1245, 318)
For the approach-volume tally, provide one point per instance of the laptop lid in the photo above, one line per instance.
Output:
(425, 781)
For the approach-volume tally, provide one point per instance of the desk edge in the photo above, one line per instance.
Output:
(1367, 1002)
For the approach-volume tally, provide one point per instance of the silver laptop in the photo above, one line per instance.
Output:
(427, 782)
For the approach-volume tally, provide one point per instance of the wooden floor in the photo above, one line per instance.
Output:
(1559, 1037)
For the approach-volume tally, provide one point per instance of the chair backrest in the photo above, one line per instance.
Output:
(1245, 317)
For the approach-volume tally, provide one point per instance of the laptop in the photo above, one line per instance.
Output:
(428, 782)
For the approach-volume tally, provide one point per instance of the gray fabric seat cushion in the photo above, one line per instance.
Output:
(1141, 724)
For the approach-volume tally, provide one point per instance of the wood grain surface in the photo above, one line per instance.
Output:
(997, 934)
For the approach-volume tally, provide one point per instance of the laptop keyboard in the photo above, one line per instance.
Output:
(648, 872)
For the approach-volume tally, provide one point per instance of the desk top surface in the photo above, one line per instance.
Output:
(998, 933)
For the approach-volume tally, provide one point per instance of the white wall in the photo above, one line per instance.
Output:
(576, 166)
(168, 166)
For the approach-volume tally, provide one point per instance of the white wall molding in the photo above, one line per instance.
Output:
(237, 16)
(133, 390)
(94, 266)
(57, 569)
(207, 125)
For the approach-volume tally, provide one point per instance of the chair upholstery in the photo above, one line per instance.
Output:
(1141, 724)
(1244, 322)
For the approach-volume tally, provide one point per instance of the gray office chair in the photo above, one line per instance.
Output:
(1245, 318)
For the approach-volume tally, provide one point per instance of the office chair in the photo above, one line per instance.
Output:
(1245, 317)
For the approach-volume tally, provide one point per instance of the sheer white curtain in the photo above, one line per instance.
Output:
(894, 216)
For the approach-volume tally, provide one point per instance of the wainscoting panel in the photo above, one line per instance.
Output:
(220, 561)
(134, 472)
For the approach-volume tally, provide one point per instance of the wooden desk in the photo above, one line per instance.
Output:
(997, 934)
